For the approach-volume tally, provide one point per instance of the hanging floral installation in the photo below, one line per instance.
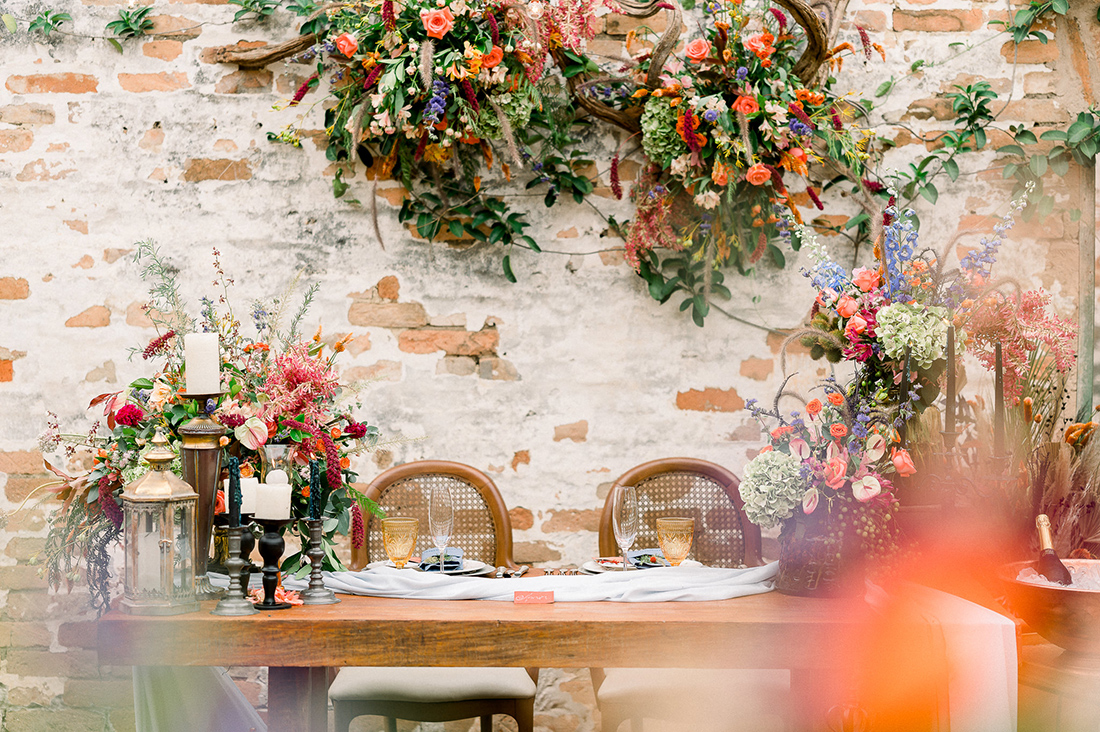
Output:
(442, 95)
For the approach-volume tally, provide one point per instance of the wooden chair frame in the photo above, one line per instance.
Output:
(717, 473)
(521, 710)
(502, 523)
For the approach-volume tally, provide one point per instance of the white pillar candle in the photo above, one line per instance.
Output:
(249, 487)
(273, 497)
(202, 363)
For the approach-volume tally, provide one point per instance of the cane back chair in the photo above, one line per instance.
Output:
(741, 699)
(691, 488)
(484, 532)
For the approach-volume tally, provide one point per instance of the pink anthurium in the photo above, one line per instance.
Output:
(866, 488)
(799, 448)
(809, 500)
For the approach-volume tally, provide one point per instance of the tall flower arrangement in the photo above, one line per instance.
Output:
(278, 386)
(730, 136)
(833, 464)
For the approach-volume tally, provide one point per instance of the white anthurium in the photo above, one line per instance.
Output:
(252, 434)
(799, 448)
(866, 488)
(809, 500)
(876, 447)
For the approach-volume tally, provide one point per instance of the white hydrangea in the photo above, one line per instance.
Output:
(772, 488)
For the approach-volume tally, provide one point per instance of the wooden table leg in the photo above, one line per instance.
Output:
(297, 699)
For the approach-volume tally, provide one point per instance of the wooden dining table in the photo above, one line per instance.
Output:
(302, 644)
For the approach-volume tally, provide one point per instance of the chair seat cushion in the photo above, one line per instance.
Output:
(430, 684)
(697, 693)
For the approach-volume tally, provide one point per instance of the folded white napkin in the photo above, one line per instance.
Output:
(660, 584)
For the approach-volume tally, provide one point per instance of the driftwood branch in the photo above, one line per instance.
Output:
(257, 58)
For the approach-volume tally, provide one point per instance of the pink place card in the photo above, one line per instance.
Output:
(533, 598)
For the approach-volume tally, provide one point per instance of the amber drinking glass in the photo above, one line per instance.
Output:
(674, 535)
(399, 536)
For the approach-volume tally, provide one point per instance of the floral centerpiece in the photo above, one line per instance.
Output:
(730, 135)
(278, 387)
(824, 477)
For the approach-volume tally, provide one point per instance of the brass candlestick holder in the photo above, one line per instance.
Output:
(316, 593)
(201, 454)
(235, 603)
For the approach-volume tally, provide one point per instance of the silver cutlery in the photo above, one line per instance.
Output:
(501, 571)
(521, 571)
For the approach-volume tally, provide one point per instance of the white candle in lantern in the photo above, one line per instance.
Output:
(249, 488)
(273, 497)
(202, 363)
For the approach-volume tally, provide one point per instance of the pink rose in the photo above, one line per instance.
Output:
(847, 307)
(836, 472)
(347, 44)
(252, 434)
(856, 325)
(697, 50)
(903, 463)
(437, 23)
(865, 278)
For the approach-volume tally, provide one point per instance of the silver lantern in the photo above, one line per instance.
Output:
(159, 539)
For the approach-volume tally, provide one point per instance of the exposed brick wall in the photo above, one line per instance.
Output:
(554, 386)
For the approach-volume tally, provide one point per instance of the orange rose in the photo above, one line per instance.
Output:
(760, 44)
(758, 174)
(437, 23)
(493, 58)
(838, 430)
(813, 407)
(697, 50)
(835, 398)
(347, 44)
(746, 105)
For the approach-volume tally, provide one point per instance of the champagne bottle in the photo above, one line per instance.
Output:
(1050, 566)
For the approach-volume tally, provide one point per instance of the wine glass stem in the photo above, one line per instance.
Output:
(443, 559)
(626, 562)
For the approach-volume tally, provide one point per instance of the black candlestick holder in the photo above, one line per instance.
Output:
(271, 549)
(248, 543)
(316, 593)
(234, 603)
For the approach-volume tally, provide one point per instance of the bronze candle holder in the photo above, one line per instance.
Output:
(201, 454)
(316, 593)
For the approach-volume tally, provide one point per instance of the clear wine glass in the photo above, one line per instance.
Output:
(625, 519)
(441, 521)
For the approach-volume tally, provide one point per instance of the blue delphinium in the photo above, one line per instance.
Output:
(898, 242)
(438, 103)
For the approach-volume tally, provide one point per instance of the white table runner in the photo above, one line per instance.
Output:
(660, 584)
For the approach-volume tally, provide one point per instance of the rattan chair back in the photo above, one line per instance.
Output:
(481, 524)
(689, 487)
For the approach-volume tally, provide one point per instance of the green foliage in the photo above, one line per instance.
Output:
(9, 22)
(131, 23)
(48, 21)
(262, 9)
(1079, 143)
(304, 9)
(1022, 26)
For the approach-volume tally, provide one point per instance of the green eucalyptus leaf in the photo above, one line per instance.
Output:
(9, 22)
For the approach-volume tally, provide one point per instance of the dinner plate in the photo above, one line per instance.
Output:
(470, 568)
